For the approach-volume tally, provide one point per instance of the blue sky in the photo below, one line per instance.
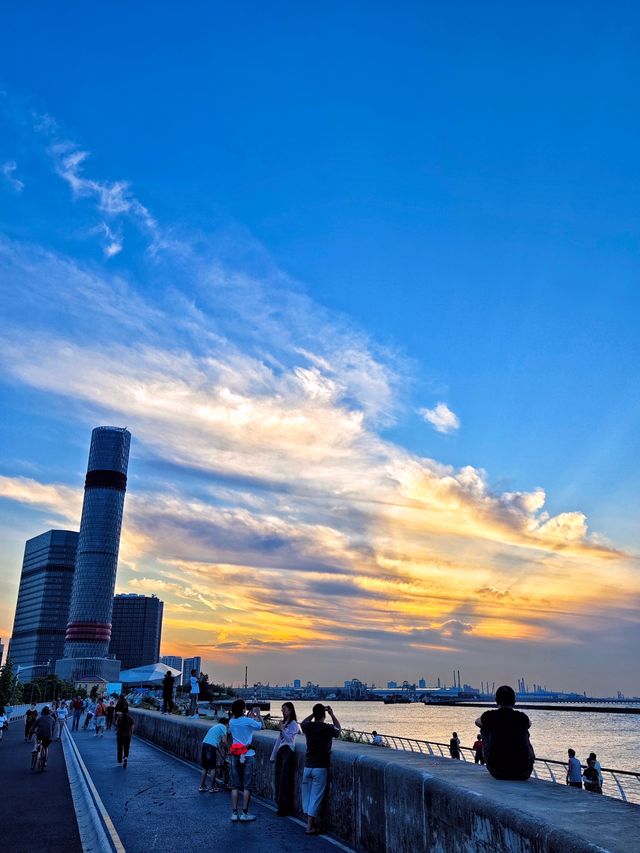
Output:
(321, 260)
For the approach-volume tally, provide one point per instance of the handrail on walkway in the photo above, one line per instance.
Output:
(543, 767)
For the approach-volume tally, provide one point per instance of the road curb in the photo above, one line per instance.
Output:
(97, 832)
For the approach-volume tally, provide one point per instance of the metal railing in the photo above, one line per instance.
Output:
(622, 784)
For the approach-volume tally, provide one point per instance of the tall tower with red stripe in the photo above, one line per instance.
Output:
(88, 632)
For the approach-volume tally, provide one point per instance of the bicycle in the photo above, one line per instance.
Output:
(39, 756)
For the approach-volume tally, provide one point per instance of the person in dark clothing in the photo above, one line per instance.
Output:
(121, 704)
(319, 736)
(506, 747)
(29, 720)
(478, 755)
(454, 745)
(43, 728)
(124, 730)
(76, 706)
(110, 712)
(591, 777)
(167, 692)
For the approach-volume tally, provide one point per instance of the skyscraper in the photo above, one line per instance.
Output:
(89, 627)
(136, 627)
(44, 595)
(176, 663)
(187, 666)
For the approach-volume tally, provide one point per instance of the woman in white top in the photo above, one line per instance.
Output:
(61, 715)
(284, 755)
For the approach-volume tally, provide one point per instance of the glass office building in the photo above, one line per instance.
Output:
(86, 650)
(44, 596)
(136, 628)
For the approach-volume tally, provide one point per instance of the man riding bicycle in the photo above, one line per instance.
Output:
(43, 730)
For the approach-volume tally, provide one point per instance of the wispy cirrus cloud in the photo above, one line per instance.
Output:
(278, 515)
(8, 170)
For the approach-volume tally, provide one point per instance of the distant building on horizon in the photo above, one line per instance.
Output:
(1, 652)
(187, 666)
(176, 663)
(88, 634)
(136, 629)
(297, 684)
(42, 609)
(422, 683)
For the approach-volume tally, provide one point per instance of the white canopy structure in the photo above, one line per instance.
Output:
(149, 675)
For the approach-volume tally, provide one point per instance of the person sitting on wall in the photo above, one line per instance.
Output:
(506, 747)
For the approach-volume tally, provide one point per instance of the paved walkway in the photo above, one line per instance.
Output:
(36, 809)
(155, 805)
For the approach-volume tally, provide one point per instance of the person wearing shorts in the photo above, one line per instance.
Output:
(242, 727)
(213, 753)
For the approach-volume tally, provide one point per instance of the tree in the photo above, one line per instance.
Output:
(10, 687)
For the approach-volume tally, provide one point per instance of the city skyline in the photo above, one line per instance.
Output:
(364, 289)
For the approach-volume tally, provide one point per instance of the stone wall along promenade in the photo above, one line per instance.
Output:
(382, 800)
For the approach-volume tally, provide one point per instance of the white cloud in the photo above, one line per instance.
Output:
(441, 418)
(8, 169)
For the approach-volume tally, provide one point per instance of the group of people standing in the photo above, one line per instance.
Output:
(231, 739)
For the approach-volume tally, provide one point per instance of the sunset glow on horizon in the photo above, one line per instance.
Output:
(312, 493)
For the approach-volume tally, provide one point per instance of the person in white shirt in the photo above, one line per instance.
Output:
(62, 714)
(214, 749)
(242, 757)
(376, 739)
(194, 693)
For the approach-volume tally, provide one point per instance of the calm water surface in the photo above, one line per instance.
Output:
(614, 737)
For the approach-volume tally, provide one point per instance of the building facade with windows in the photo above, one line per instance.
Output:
(136, 629)
(86, 648)
(175, 662)
(42, 610)
(187, 666)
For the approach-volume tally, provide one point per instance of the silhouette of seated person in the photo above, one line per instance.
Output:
(506, 747)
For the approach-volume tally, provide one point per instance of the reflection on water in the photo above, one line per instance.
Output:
(614, 737)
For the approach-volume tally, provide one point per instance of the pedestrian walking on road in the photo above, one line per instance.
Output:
(90, 707)
(121, 704)
(101, 718)
(62, 715)
(454, 746)
(4, 721)
(124, 730)
(214, 747)
(284, 756)
(243, 757)
(77, 706)
(574, 770)
(111, 712)
(319, 735)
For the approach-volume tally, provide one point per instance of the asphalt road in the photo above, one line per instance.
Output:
(155, 805)
(36, 809)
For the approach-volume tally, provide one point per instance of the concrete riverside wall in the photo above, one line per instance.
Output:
(385, 800)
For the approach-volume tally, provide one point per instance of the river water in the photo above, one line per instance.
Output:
(614, 737)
